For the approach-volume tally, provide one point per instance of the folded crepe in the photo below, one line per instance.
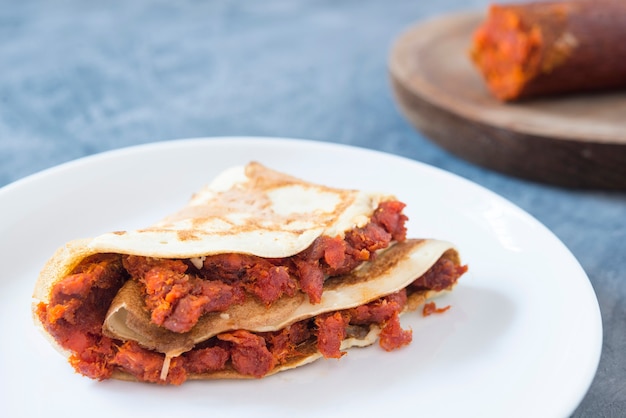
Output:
(260, 272)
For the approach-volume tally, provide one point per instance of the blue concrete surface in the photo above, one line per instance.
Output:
(78, 77)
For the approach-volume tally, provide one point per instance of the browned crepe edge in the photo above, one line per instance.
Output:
(68, 257)
(416, 300)
(61, 264)
(393, 269)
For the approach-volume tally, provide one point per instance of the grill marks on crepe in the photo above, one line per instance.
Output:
(255, 212)
(249, 210)
(178, 293)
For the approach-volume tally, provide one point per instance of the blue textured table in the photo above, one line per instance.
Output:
(77, 79)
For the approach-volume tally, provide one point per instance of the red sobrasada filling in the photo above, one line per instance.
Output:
(177, 294)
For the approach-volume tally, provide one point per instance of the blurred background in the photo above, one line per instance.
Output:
(84, 77)
(78, 78)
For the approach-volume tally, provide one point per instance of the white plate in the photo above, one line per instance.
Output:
(522, 339)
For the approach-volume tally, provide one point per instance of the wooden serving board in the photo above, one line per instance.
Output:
(571, 141)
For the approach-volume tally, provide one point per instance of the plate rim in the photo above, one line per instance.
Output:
(69, 165)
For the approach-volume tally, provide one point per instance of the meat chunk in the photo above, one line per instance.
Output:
(176, 299)
(205, 360)
(260, 277)
(147, 366)
(331, 331)
(378, 311)
(442, 275)
(283, 344)
(249, 353)
(393, 336)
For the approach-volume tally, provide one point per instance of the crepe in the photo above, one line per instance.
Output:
(260, 272)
